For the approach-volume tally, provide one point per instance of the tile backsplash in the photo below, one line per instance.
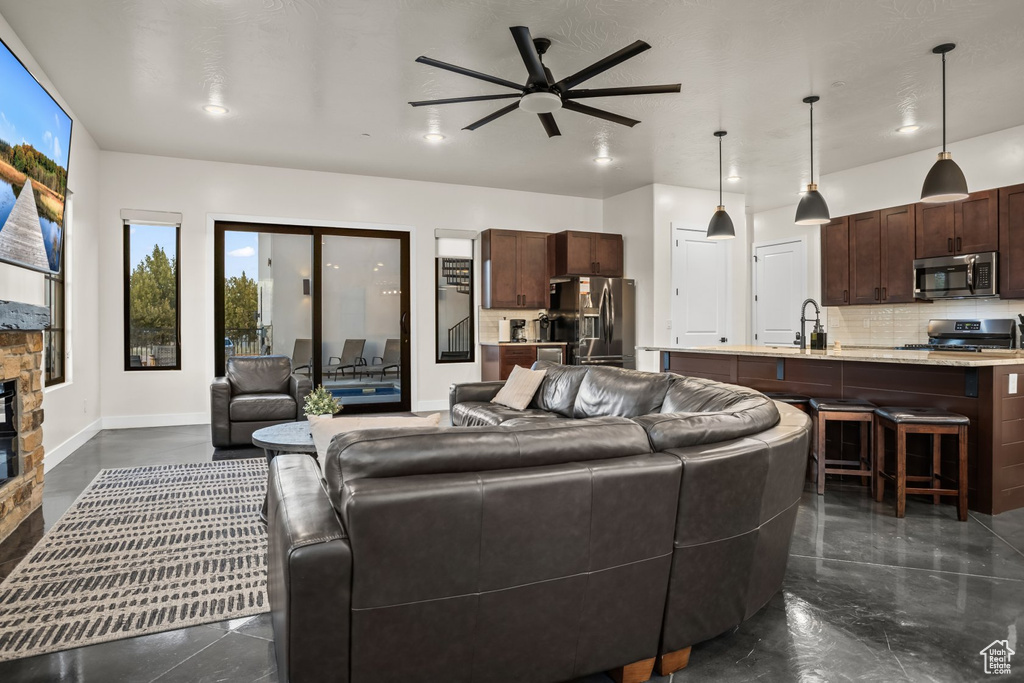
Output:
(487, 320)
(901, 324)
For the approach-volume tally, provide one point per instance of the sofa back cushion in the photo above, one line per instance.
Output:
(616, 391)
(561, 383)
(701, 411)
(381, 453)
(259, 374)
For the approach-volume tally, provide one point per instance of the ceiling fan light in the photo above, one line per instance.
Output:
(812, 209)
(945, 182)
(721, 227)
(540, 102)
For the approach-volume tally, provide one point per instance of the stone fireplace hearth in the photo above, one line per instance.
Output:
(21, 350)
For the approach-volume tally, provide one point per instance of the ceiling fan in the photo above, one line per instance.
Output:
(542, 94)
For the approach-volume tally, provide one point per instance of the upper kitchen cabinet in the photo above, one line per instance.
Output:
(515, 269)
(882, 256)
(1011, 242)
(587, 253)
(968, 226)
(835, 262)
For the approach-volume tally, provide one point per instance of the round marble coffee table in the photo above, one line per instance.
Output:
(288, 437)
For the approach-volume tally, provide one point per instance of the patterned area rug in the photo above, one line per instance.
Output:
(142, 550)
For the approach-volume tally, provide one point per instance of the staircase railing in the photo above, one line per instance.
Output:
(459, 335)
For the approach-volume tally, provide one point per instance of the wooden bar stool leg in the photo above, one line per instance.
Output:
(879, 447)
(821, 453)
(901, 471)
(936, 466)
(961, 504)
(865, 458)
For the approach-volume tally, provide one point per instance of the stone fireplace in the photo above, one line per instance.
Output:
(21, 412)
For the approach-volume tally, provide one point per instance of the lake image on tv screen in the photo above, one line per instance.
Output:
(35, 136)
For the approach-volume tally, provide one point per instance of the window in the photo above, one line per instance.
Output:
(53, 336)
(454, 300)
(152, 285)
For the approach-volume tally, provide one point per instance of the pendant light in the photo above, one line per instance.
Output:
(720, 227)
(812, 209)
(945, 182)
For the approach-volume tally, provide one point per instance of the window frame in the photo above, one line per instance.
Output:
(128, 367)
(437, 314)
(56, 282)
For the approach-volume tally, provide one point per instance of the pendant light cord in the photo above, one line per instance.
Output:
(720, 202)
(943, 101)
(812, 143)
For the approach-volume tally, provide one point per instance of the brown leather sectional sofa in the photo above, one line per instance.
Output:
(624, 517)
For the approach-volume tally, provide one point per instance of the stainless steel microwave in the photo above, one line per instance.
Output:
(956, 277)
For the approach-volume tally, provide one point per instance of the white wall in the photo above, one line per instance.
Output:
(645, 216)
(71, 409)
(198, 188)
(988, 161)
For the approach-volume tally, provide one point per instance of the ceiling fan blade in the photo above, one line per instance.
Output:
(490, 117)
(549, 125)
(599, 113)
(531, 58)
(616, 92)
(456, 100)
(603, 65)
(469, 72)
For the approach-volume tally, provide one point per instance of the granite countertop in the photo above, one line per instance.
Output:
(529, 343)
(863, 354)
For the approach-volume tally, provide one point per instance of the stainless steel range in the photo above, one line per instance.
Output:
(966, 335)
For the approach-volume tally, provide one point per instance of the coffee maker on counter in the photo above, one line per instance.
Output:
(518, 326)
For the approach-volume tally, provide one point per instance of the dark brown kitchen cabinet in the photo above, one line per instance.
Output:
(835, 262)
(587, 253)
(898, 227)
(1011, 242)
(865, 258)
(881, 253)
(515, 269)
(968, 226)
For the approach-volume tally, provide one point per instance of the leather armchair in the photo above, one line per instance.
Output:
(255, 392)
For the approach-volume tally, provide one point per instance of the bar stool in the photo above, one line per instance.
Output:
(827, 410)
(798, 401)
(935, 423)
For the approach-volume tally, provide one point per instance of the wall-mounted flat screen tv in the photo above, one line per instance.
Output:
(35, 141)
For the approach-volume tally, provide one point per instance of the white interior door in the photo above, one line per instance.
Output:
(700, 279)
(780, 286)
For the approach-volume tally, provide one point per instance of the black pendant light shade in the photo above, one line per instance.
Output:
(812, 209)
(945, 182)
(720, 227)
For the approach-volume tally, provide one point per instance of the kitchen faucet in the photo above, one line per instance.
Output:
(803, 320)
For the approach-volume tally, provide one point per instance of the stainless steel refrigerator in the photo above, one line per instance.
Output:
(596, 318)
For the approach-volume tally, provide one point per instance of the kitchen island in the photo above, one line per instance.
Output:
(987, 387)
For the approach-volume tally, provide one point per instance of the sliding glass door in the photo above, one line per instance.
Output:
(336, 301)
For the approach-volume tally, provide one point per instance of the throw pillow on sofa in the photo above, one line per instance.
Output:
(518, 391)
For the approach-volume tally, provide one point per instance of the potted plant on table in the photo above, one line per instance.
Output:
(321, 403)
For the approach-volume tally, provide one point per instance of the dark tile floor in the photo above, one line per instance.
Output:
(867, 597)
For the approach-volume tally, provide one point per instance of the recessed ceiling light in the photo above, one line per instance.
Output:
(380, 265)
(733, 179)
(838, 84)
(433, 137)
(602, 160)
(215, 109)
(328, 265)
(911, 128)
(335, 267)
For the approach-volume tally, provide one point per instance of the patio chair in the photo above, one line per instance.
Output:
(391, 360)
(302, 357)
(351, 358)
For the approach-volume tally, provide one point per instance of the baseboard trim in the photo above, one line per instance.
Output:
(170, 420)
(55, 456)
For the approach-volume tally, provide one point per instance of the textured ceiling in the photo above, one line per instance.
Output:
(307, 80)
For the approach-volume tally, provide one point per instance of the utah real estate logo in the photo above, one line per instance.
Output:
(997, 656)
